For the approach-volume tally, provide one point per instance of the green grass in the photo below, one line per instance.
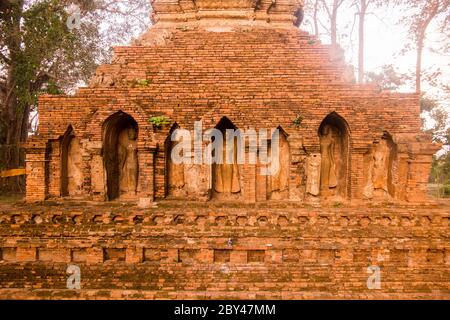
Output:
(10, 199)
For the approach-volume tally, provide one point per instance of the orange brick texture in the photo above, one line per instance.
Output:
(252, 65)
(185, 252)
(257, 78)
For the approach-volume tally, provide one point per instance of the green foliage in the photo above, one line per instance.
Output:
(427, 104)
(40, 54)
(337, 204)
(387, 79)
(44, 34)
(440, 170)
(141, 83)
(440, 118)
(445, 190)
(298, 121)
(53, 88)
(159, 121)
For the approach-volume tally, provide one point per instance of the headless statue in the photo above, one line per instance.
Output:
(74, 173)
(128, 162)
(176, 173)
(328, 177)
(280, 180)
(379, 166)
(313, 175)
(227, 175)
(377, 178)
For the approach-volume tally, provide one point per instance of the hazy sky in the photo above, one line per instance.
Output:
(385, 37)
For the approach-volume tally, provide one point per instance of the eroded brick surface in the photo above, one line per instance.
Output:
(353, 161)
(316, 253)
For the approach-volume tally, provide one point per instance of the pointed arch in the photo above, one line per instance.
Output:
(334, 136)
(120, 134)
(226, 177)
(278, 181)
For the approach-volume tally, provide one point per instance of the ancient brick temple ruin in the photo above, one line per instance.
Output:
(350, 192)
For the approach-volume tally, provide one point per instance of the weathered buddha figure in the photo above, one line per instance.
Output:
(176, 172)
(313, 174)
(74, 173)
(227, 174)
(128, 161)
(380, 172)
(279, 181)
(377, 173)
(328, 178)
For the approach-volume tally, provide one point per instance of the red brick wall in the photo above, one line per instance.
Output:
(183, 251)
(258, 78)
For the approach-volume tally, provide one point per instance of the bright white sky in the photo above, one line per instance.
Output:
(385, 37)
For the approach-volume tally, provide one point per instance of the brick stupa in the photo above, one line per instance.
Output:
(350, 192)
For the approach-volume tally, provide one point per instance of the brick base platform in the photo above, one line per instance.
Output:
(211, 251)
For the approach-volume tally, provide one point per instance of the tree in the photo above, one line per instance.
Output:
(40, 52)
(387, 79)
(424, 13)
(332, 12)
(362, 7)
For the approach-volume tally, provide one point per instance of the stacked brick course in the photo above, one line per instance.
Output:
(188, 251)
(250, 64)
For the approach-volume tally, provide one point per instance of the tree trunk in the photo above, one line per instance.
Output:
(316, 23)
(419, 64)
(16, 116)
(334, 22)
(362, 18)
(421, 34)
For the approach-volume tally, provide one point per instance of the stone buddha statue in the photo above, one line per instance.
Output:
(128, 161)
(328, 178)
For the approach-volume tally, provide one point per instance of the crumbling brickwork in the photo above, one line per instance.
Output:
(231, 65)
(183, 250)
(257, 75)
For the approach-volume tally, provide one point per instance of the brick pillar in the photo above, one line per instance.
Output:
(419, 171)
(134, 255)
(26, 254)
(249, 185)
(356, 171)
(97, 175)
(206, 256)
(261, 184)
(146, 175)
(238, 256)
(249, 177)
(54, 169)
(419, 168)
(402, 173)
(274, 256)
(297, 168)
(36, 188)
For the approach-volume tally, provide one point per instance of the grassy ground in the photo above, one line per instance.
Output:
(10, 198)
(437, 191)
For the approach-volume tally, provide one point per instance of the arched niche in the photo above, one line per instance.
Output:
(278, 181)
(120, 158)
(226, 177)
(380, 168)
(71, 162)
(334, 139)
